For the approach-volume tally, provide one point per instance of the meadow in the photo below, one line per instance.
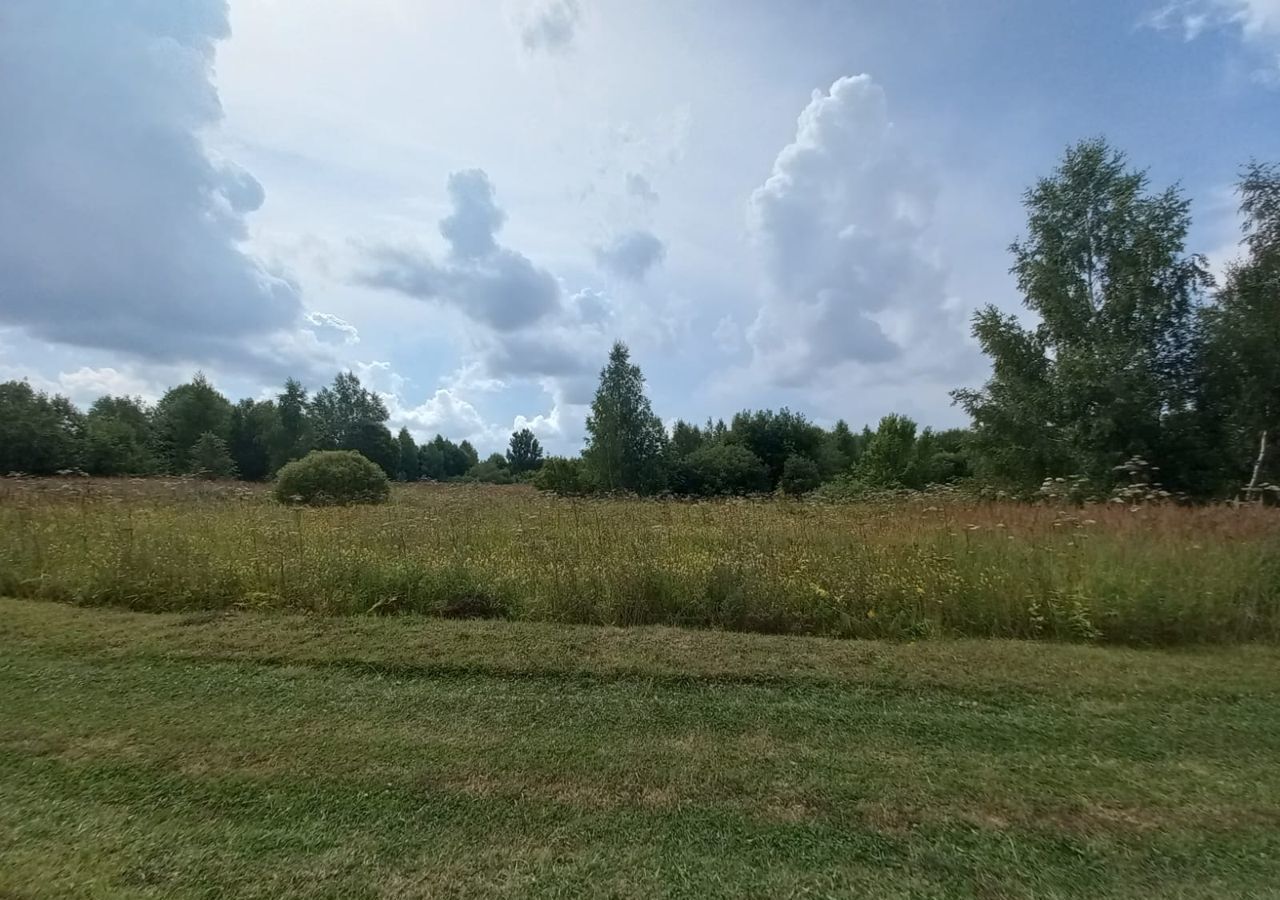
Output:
(927, 566)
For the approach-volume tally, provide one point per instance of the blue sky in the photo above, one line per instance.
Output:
(773, 203)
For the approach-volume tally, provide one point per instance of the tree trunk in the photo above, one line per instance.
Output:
(1252, 489)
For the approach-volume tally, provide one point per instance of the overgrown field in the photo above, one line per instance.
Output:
(907, 569)
(270, 755)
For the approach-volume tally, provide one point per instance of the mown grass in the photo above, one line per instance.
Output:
(269, 755)
(911, 569)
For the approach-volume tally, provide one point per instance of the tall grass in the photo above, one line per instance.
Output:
(911, 569)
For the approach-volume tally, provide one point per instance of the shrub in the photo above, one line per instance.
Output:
(562, 476)
(799, 475)
(325, 477)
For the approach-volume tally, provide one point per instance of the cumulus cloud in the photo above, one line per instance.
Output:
(491, 284)
(631, 254)
(549, 25)
(839, 225)
(117, 229)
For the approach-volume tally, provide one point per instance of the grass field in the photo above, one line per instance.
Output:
(270, 755)
(910, 569)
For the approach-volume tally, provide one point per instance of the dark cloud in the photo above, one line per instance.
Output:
(491, 284)
(631, 255)
(117, 230)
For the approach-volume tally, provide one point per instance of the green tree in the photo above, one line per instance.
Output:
(410, 465)
(39, 434)
(775, 436)
(625, 440)
(431, 461)
(373, 440)
(473, 458)
(254, 425)
(340, 412)
(210, 458)
(890, 457)
(719, 469)
(182, 416)
(524, 453)
(294, 436)
(1242, 331)
(118, 437)
(686, 438)
(1110, 363)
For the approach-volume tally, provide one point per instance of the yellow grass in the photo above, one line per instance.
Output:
(908, 569)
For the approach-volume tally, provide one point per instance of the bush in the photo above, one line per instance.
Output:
(562, 476)
(799, 475)
(327, 477)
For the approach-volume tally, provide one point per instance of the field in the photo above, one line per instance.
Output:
(239, 699)
(910, 569)
(273, 755)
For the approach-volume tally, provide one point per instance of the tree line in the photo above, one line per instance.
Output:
(1138, 368)
(195, 430)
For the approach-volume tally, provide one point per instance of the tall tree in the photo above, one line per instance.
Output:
(625, 440)
(293, 438)
(1111, 362)
(254, 427)
(1242, 333)
(410, 466)
(524, 453)
(340, 411)
(182, 416)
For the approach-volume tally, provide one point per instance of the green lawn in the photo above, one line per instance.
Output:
(257, 755)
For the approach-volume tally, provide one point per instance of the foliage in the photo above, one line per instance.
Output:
(183, 415)
(524, 453)
(1242, 336)
(254, 425)
(410, 464)
(340, 413)
(1107, 369)
(117, 437)
(332, 477)
(494, 470)
(564, 476)
(800, 475)
(719, 469)
(625, 440)
(774, 437)
(294, 436)
(210, 458)
(39, 434)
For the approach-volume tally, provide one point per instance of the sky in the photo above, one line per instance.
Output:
(773, 204)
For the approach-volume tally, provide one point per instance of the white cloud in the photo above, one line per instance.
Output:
(330, 328)
(840, 224)
(1256, 21)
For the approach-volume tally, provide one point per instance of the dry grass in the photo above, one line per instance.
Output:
(914, 569)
